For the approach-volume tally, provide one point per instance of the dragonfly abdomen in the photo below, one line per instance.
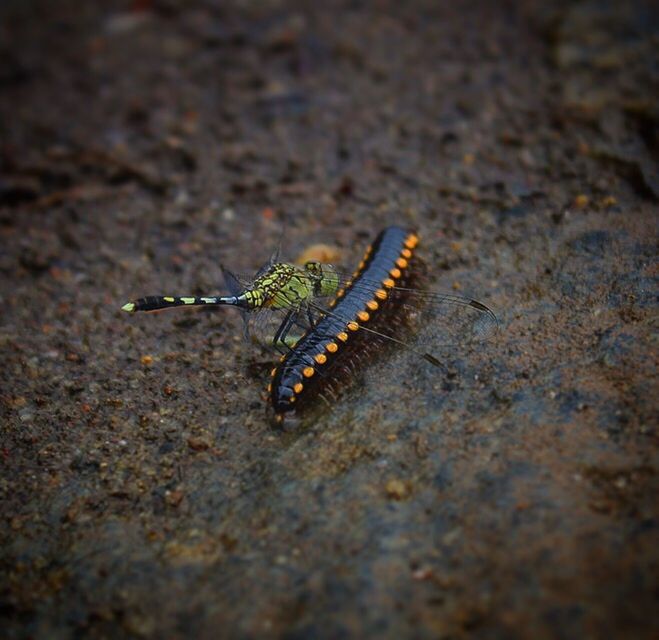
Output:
(156, 303)
(326, 352)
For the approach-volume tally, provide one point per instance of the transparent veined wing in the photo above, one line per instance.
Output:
(278, 328)
(437, 319)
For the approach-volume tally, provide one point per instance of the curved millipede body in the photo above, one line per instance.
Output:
(357, 311)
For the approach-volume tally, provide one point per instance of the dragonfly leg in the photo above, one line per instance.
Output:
(282, 333)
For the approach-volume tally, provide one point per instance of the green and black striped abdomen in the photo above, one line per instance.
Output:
(155, 303)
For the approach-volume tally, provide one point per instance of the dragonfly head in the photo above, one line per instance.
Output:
(324, 277)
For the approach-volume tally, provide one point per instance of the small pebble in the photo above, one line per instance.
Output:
(581, 201)
(397, 489)
(320, 253)
(197, 443)
(174, 498)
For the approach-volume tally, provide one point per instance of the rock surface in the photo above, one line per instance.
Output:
(144, 492)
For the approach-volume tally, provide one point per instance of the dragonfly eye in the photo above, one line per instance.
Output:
(314, 267)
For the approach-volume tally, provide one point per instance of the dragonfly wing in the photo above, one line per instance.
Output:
(439, 319)
(449, 322)
(264, 324)
(233, 282)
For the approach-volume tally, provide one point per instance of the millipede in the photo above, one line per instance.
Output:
(354, 321)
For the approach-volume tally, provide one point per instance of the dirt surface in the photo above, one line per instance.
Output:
(143, 491)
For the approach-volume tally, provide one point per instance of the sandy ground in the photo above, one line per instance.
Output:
(143, 491)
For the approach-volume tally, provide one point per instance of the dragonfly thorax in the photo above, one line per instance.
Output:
(287, 286)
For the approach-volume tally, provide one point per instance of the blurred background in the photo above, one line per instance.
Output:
(144, 492)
